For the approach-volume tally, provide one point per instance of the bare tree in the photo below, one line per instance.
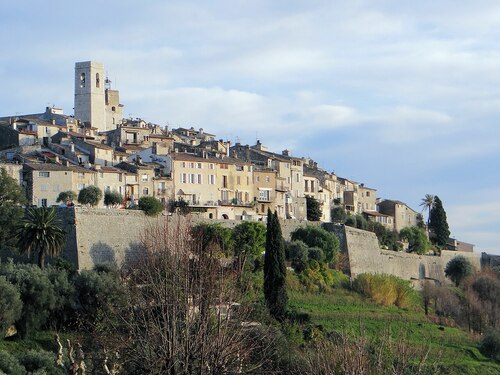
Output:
(179, 316)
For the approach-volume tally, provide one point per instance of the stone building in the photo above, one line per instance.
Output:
(403, 215)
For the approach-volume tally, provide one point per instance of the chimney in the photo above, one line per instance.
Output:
(285, 153)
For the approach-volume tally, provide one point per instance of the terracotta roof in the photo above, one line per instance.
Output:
(375, 213)
(99, 145)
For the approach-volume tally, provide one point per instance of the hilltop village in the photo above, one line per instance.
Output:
(51, 152)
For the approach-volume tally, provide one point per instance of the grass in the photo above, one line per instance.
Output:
(342, 310)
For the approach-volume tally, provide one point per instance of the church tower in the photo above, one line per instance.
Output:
(89, 94)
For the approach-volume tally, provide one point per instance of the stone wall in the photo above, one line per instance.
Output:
(365, 256)
(104, 235)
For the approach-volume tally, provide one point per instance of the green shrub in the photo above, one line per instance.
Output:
(37, 294)
(150, 205)
(91, 195)
(9, 364)
(385, 289)
(10, 305)
(314, 236)
(112, 198)
(490, 345)
(40, 362)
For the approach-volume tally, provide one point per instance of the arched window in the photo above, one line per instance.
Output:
(113, 109)
(97, 80)
(82, 80)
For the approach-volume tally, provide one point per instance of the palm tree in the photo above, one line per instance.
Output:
(427, 203)
(40, 232)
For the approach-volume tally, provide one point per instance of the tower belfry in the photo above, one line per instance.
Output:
(89, 94)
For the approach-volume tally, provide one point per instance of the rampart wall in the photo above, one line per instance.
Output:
(103, 235)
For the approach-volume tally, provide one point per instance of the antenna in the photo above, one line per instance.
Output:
(107, 82)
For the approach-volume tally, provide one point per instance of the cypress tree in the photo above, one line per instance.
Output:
(438, 224)
(275, 268)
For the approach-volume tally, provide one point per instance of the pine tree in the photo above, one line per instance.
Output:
(275, 268)
(438, 225)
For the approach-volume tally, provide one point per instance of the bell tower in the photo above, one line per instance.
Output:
(89, 94)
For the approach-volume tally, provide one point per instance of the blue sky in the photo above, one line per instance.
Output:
(401, 95)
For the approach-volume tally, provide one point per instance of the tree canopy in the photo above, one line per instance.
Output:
(11, 199)
(40, 232)
(275, 268)
(91, 195)
(112, 198)
(417, 240)
(458, 269)
(338, 215)
(65, 196)
(315, 236)
(438, 225)
(313, 209)
(249, 241)
(150, 205)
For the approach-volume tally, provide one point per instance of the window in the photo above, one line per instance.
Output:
(298, 177)
(248, 180)
(97, 80)
(120, 177)
(199, 166)
(191, 178)
(183, 164)
(257, 178)
(238, 180)
(184, 178)
(211, 179)
(191, 165)
(43, 174)
(82, 80)
(113, 109)
(264, 195)
(43, 202)
(224, 181)
(44, 187)
(145, 191)
(268, 179)
(240, 168)
(246, 197)
(210, 166)
(367, 193)
(224, 166)
(101, 175)
(145, 177)
(199, 179)
(80, 186)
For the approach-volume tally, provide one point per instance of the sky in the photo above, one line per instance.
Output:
(403, 96)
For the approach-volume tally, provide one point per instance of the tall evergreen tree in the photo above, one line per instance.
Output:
(438, 225)
(314, 211)
(275, 268)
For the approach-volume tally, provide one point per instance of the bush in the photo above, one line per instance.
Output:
(416, 238)
(297, 252)
(316, 253)
(40, 362)
(150, 205)
(314, 236)
(9, 364)
(37, 294)
(97, 294)
(10, 305)
(338, 215)
(112, 198)
(214, 235)
(90, 195)
(63, 314)
(458, 269)
(66, 196)
(490, 345)
(385, 289)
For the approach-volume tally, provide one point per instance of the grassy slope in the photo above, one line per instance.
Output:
(346, 311)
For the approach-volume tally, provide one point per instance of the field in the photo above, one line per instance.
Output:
(344, 311)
